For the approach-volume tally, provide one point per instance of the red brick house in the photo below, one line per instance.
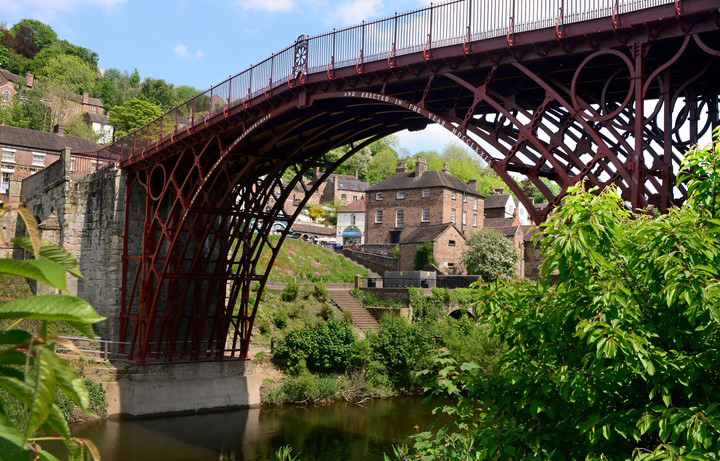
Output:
(449, 244)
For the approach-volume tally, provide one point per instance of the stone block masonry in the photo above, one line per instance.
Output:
(84, 214)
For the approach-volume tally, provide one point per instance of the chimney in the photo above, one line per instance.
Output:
(59, 129)
(29, 79)
(498, 191)
(86, 97)
(421, 166)
(446, 168)
(401, 168)
(473, 184)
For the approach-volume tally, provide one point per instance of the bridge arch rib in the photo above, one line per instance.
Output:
(612, 108)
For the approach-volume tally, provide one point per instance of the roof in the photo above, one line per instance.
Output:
(355, 207)
(497, 223)
(507, 231)
(43, 140)
(429, 178)
(97, 118)
(313, 229)
(529, 232)
(497, 201)
(7, 75)
(428, 233)
(92, 101)
(347, 182)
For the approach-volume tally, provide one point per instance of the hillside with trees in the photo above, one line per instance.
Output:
(62, 70)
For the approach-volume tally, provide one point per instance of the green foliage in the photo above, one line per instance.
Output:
(490, 255)
(70, 73)
(533, 191)
(117, 88)
(43, 34)
(316, 212)
(60, 48)
(382, 165)
(290, 292)
(396, 252)
(398, 348)
(424, 256)
(614, 354)
(133, 114)
(285, 453)
(327, 347)
(31, 375)
(4, 58)
(159, 93)
(32, 113)
(77, 127)
(320, 292)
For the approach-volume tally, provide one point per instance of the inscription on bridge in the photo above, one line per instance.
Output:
(419, 110)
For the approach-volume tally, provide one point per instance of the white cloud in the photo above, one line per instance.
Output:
(355, 11)
(48, 9)
(434, 137)
(272, 6)
(182, 51)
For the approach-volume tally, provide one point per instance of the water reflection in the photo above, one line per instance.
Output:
(337, 432)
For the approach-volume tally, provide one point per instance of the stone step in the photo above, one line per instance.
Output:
(361, 317)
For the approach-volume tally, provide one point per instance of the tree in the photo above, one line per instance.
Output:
(43, 35)
(116, 88)
(158, 92)
(69, 72)
(4, 58)
(424, 256)
(614, 354)
(382, 166)
(63, 47)
(42, 375)
(76, 126)
(22, 41)
(316, 212)
(32, 113)
(184, 93)
(133, 114)
(331, 211)
(532, 190)
(490, 255)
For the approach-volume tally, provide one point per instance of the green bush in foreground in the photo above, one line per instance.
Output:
(328, 347)
(615, 355)
(31, 374)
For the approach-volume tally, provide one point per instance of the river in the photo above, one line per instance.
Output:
(335, 432)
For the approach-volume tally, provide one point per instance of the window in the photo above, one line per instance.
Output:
(38, 159)
(93, 108)
(426, 215)
(400, 194)
(5, 181)
(72, 164)
(8, 155)
(450, 264)
(474, 220)
(379, 196)
(378, 216)
(475, 205)
(452, 216)
(343, 196)
(452, 195)
(6, 96)
(464, 218)
(399, 217)
(426, 193)
(354, 198)
(451, 243)
(352, 219)
(394, 237)
(464, 197)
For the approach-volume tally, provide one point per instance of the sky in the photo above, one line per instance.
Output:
(202, 42)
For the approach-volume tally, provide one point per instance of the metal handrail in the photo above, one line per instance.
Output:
(420, 30)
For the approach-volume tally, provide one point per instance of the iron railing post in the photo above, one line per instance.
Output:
(427, 53)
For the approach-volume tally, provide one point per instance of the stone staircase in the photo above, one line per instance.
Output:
(361, 317)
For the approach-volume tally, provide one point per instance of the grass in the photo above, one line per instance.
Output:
(303, 261)
(12, 288)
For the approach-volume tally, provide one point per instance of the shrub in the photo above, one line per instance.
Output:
(326, 312)
(396, 252)
(398, 347)
(280, 319)
(490, 255)
(424, 256)
(290, 293)
(328, 347)
(320, 292)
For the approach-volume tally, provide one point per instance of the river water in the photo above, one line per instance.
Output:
(337, 432)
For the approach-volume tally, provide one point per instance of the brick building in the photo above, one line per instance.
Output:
(10, 84)
(25, 152)
(342, 188)
(502, 205)
(405, 201)
(449, 244)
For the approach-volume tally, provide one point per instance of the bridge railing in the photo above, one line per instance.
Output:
(421, 30)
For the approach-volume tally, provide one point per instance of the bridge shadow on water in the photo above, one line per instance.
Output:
(337, 432)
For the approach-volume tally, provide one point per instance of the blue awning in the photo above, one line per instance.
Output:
(352, 231)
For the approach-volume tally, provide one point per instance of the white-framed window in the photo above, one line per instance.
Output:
(452, 215)
(343, 196)
(93, 108)
(475, 204)
(452, 195)
(8, 155)
(474, 220)
(352, 219)
(379, 196)
(399, 217)
(464, 197)
(400, 194)
(38, 159)
(5, 96)
(425, 215)
(72, 164)
(464, 217)
(5, 180)
(378, 216)
(426, 193)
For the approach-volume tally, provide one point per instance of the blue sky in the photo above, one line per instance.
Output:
(201, 42)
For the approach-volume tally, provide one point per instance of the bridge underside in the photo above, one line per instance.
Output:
(611, 109)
